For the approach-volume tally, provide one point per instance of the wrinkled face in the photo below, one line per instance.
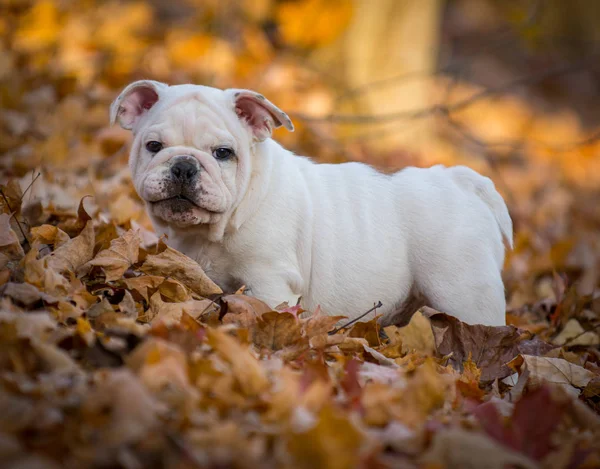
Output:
(191, 154)
(186, 162)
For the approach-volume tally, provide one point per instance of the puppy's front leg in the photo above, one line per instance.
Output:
(275, 289)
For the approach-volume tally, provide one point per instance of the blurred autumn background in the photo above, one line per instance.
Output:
(509, 88)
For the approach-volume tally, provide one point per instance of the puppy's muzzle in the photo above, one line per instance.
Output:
(184, 168)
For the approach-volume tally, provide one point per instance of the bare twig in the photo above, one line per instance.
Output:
(16, 219)
(337, 329)
(30, 185)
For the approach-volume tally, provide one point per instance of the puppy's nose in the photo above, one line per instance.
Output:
(184, 169)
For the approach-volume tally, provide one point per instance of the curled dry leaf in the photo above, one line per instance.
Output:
(242, 310)
(74, 253)
(114, 261)
(160, 310)
(172, 263)
(49, 234)
(9, 241)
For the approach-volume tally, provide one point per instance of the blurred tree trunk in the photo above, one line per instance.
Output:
(385, 40)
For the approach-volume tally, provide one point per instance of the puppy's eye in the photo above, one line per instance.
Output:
(153, 146)
(222, 153)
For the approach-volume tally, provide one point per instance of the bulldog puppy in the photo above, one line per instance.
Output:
(336, 236)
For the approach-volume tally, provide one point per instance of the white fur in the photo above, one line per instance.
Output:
(340, 237)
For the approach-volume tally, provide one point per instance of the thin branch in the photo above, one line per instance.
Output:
(16, 219)
(337, 329)
(30, 185)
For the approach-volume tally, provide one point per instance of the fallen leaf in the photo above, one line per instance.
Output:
(416, 336)
(49, 234)
(334, 442)
(114, 261)
(74, 253)
(458, 448)
(27, 294)
(120, 409)
(530, 428)
(572, 378)
(172, 263)
(245, 367)
(9, 241)
(274, 331)
(573, 334)
(491, 347)
(242, 310)
(145, 285)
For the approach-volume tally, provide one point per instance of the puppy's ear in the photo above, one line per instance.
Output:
(135, 100)
(261, 115)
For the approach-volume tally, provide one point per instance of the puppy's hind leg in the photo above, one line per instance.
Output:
(471, 291)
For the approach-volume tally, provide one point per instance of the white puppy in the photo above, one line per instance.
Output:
(340, 236)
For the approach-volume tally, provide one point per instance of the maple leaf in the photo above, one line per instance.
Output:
(491, 347)
(274, 330)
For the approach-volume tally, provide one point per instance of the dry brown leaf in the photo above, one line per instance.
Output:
(132, 411)
(49, 234)
(9, 241)
(114, 261)
(319, 324)
(491, 347)
(458, 448)
(334, 442)
(415, 336)
(275, 330)
(27, 294)
(573, 334)
(242, 310)
(173, 290)
(162, 311)
(572, 378)
(74, 253)
(245, 367)
(172, 263)
(145, 285)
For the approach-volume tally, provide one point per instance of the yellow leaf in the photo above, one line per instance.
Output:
(39, 28)
(245, 367)
(313, 23)
(334, 442)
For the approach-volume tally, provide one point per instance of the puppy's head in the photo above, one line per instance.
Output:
(191, 153)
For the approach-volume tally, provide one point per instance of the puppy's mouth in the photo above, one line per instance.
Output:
(179, 199)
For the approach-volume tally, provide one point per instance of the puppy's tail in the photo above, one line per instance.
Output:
(484, 188)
